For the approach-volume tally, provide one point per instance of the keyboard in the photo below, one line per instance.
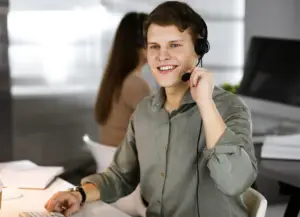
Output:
(40, 214)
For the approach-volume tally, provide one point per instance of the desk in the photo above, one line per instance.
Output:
(34, 200)
(287, 172)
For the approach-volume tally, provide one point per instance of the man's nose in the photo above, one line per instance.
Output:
(164, 54)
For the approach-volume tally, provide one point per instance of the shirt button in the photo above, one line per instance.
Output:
(162, 174)
(158, 201)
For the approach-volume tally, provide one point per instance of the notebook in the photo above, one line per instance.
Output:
(26, 174)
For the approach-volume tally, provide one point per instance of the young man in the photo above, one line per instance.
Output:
(189, 145)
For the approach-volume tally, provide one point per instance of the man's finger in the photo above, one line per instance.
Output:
(72, 209)
(58, 208)
(192, 77)
(52, 202)
(195, 77)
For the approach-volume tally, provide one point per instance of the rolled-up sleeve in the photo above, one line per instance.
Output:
(122, 176)
(232, 163)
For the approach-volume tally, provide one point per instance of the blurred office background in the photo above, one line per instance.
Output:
(57, 51)
(57, 54)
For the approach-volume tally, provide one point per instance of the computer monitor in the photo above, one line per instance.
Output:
(272, 71)
(271, 83)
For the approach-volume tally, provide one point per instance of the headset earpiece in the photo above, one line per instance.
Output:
(201, 47)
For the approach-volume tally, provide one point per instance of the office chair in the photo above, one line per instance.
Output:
(102, 154)
(255, 202)
(139, 204)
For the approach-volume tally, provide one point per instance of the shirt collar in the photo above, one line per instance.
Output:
(160, 97)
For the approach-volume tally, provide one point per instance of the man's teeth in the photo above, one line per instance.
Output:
(163, 68)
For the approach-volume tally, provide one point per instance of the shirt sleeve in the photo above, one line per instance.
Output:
(232, 163)
(122, 176)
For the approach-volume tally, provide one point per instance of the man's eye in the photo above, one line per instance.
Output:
(153, 47)
(175, 45)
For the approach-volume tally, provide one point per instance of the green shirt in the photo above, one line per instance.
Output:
(160, 152)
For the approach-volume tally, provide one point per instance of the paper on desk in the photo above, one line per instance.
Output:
(25, 174)
(18, 165)
(286, 147)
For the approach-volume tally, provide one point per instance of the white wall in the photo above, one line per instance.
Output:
(275, 18)
(38, 5)
(48, 26)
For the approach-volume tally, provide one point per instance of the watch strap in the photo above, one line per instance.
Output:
(81, 191)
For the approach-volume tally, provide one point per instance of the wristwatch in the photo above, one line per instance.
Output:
(81, 191)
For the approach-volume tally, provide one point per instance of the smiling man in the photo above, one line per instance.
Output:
(189, 145)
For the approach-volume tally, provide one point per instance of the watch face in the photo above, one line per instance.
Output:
(78, 188)
(74, 189)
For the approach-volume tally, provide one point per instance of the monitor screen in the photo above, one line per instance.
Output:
(272, 70)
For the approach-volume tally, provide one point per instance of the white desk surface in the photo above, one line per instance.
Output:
(34, 200)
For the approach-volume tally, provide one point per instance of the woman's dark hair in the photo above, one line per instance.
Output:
(179, 14)
(124, 58)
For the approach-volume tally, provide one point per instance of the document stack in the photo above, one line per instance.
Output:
(285, 147)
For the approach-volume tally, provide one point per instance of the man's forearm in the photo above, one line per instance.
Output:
(92, 192)
(214, 125)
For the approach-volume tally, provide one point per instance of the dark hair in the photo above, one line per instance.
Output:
(124, 58)
(179, 14)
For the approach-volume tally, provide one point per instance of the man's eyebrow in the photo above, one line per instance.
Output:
(172, 41)
(178, 40)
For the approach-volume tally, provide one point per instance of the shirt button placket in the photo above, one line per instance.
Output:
(163, 173)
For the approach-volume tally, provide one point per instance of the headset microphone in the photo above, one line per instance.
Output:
(186, 76)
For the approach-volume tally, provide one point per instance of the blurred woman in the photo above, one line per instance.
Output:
(122, 86)
(121, 89)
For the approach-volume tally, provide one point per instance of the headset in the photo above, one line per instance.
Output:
(201, 47)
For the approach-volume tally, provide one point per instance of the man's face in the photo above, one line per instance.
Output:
(170, 53)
